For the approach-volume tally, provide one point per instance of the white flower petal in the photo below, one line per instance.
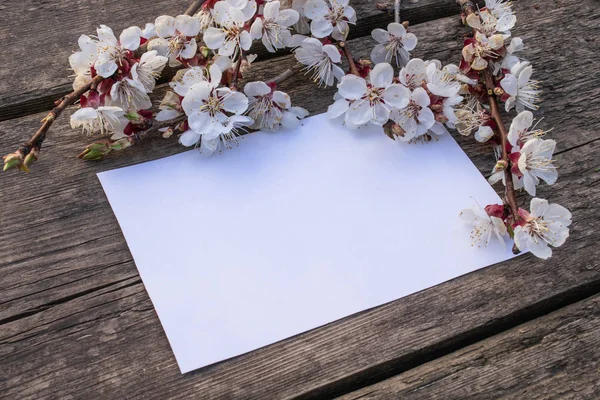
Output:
(336, 109)
(236, 102)
(160, 45)
(282, 99)
(359, 112)
(167, 114)
(381, 114)
(130, 38)
(396, 29)
(352, 87)
(271, 9)
(438, 129)
(287, 18)
(189, 138)
(321, 28)
(149, 31)
(105, 68)
(382, 75)
(165, 26)
(289, 120)
(420, 97)
(257, 28)
(214, 38)
(316, 9)
(189, 50)
(332, 52)
(539, 248)
(397, 95)
(245, 40)
(380, 35)
(196, 97)
(216, 75)
(256, 89)
(200, 122)
(410, 41)
(187, 25)
(380, 54)
(484, 133)
(426, 118)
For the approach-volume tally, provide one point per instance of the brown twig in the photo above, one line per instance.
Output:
(236, 71)
(194, 7)
(510, 196)
(349, 57)
(38, 138)
(156, 125)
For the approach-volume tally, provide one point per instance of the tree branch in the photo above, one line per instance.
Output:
(510, 197)
(236, 71)
(19, 159)
(349, 57)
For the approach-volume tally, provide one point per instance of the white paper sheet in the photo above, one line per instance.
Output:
(293, 230)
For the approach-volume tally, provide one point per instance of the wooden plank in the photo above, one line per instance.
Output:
(75, 313)
(555, 356)
(74, 177)
(108, 342)
(36, 73)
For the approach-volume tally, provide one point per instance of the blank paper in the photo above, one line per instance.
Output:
(293, 230)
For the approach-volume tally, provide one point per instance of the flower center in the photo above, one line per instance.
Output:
(335, 14)
(374, 95)
(274, 32)
(538, 230)
(177, 43)
(413, 109)
(539, 163)
(213, 105)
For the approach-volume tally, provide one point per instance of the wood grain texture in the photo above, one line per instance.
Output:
(553, 357)
(107, 340)
(35, 54)
(77, 322)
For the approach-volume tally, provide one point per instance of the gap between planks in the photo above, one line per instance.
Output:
(553, 356)
(571, 172)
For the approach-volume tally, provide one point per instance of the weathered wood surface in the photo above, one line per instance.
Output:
(553, 357)
(45, 33)
(77, 322)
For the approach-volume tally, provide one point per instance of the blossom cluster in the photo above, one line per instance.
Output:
(489, 60)
(122, 95)
(203, 104)
(414, 100)
(420, 100)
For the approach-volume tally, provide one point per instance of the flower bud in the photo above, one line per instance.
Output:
(436, 108)
(501, 165)
(498, 91)
(496, 210)
(120, 144)
(132, 116)
(94, 152)
(441, 118)
(30, 159)
(168, 133)
(13, 160)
